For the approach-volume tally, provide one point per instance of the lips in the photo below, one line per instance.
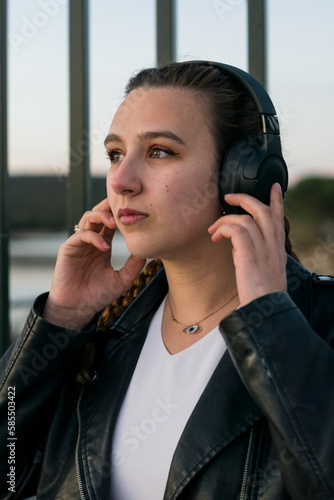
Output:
(128, 211)
(129, 216)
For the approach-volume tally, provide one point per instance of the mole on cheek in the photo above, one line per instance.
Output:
(167, 188)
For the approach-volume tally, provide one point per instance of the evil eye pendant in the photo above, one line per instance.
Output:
(191, 329)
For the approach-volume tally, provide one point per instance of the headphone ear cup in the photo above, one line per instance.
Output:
(272, 169)
(232, 170)
(252, 165)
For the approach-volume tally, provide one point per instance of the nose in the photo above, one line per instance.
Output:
(125, 179)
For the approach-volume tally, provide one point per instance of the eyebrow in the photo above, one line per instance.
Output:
(112, 138)
(147, 135)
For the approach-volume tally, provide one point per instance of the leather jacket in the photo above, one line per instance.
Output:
(262, 429)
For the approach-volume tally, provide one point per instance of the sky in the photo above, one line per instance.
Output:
(122, 40)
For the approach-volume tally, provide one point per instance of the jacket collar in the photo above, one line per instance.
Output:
(224, 411)
(144, 305)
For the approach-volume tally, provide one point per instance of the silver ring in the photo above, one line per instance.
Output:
(76, 228)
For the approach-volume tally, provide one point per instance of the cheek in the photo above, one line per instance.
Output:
(111, 195)
(198, 197)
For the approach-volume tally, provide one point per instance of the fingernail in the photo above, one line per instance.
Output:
(278, 187)
(228, 195)
(112, 218)
(105, 245)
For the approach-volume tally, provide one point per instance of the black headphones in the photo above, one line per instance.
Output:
(252, 163)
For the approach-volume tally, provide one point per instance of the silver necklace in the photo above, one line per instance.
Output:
(195, 327)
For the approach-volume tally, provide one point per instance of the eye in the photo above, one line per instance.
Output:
(115, 156)
(158, 153)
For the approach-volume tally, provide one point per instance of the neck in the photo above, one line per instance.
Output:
(198, 286)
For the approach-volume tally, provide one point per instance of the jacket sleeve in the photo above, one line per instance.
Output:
(32, 373)
(288, 369)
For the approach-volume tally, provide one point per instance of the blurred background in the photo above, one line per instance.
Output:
(297, 70)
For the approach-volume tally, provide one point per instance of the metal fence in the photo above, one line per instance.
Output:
(78, 181)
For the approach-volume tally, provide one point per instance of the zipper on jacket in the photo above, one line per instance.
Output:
(81, 491)
(247, 464)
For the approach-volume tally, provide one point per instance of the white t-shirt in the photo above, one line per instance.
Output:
(161, 396)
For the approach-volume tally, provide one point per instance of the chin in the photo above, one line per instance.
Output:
(142, 249)
(156, 245)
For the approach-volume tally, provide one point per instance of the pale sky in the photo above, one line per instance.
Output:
(122, 40)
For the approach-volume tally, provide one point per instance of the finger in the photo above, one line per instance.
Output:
(260, 212)
(96, 219)
(246, 222)
(82, 238)
(103, 205)
(240, 236)
(251, 205)
(108, 233)
(277, 210)
(213, 228)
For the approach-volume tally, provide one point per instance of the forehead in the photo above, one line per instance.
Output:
(162, 107)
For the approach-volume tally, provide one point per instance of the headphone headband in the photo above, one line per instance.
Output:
(259, 95)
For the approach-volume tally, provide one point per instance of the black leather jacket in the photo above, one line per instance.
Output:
(262, 429)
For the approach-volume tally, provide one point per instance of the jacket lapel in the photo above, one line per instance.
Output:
(103, 398)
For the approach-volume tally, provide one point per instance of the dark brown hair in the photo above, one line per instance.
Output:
(230, 110)
(231, 114)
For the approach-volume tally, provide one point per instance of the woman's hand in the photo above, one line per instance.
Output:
(84, 280)
(258, 241)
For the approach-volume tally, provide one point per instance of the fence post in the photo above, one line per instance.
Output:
(257, 40)
(165, 30)
(79, 182)
(4, 213)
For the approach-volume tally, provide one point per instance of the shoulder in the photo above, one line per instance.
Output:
(314, 295)
(323, 292)
(323, 279)
(323, 286)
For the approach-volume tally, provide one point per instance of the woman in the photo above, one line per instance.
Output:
(162, 403)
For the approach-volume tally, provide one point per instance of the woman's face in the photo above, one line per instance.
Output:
(162, 183)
